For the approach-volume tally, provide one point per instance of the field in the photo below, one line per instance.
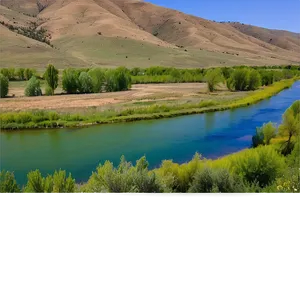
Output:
(138, 95)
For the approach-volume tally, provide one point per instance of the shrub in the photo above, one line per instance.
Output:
(4, 84)
(98, 78)
(117, 80)
(269, 131)
(49, 91)
(254, 80)
(20, 74)
(85, 83)
(124, 179)
(33, 87)
(58, 183)
(239, 80)
(51, 76)
(260, 165)
(213, 78)
(28, 73)
(8, 183)
(267, 77)
(70, 81)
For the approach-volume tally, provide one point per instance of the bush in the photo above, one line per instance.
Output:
(70, 81)
(20, 74)
(85, 83)
(269, 131)
(239, 80)
(213, 78)
(51, 76)
(98, 78)
(124, 179)
(117, 80)
(4, 84)
(267, 77)
(8, 183)
(28, 73)
(58, 183)
(254, 80)
(49, 91)
(260, 165)
(33, 88)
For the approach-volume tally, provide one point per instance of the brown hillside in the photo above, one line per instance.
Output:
(132, 32)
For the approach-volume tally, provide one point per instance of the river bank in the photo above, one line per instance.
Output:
(52, 119)
(79, 150)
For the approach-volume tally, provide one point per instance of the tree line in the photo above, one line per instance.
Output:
(266, 167)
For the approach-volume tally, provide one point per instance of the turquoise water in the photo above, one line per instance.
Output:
(79, 151)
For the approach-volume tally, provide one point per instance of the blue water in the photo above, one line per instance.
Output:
(79, 151)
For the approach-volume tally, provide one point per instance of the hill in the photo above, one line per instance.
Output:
(132, 33)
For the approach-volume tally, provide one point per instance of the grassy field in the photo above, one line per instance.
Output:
(110, 52)
(134, 112)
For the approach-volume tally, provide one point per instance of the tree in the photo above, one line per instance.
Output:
(28, 73)
(239, 80)
(33, 87)
(213, 78)
(8, 183)
(4, 84)
(70, 81)
(98, 79)
(254, 80)
(51, 76)
(20, 73)
(85, 83)
(269, 131)
(290, 126)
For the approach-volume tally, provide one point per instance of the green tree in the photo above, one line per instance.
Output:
(4, 85)
(213, 78)
(85, 83)
(20, 74)
(33, 87)
(290, 126)
(51, 76)
(58, 183)
(98, 79)
(254, 80)
(239, 79)
(8, 183)
(70, 81)
(28, 73)
(269, 131)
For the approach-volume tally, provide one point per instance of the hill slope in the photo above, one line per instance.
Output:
(133, 33)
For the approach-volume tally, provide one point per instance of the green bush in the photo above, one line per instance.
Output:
(260, 165)
(267, 77)
(85, 83)
(49, 91)
(8, 183)
(20, 73)
(4, 85)
(117, 80)
(98, 78)
(33, 87)
(213, 78)
(124, 179)
(28, 73)
(239, 80)
(70, 81)
(51, 76)
(56, 183)
(254, 80)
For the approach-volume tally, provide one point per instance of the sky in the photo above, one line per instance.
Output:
(276, 14)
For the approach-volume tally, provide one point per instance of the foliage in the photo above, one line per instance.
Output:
(51, 76)
(49, 91)
(124, 179)
(269, 131)
(33, 87)
(70, 81)
(8, 183)
(239, 80)
(4, 85)
(98, 78)
(213, 78)
(85, 83)
(260, 165)
(254, 80)
(56, 183)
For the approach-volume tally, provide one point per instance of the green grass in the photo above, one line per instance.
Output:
(50, 119)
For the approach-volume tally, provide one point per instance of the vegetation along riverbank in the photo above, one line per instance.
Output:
(223, 88)
(271, 165)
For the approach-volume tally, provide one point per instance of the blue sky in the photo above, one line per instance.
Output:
(276, 14)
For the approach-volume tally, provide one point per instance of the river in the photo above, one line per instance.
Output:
(79, 151)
